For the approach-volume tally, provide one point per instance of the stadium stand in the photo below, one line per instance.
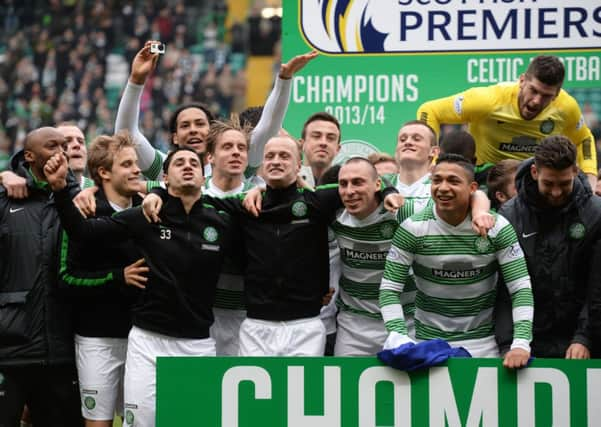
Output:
(68, 60)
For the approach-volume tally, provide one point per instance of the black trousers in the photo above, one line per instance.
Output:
(50, 392)
(330, 343)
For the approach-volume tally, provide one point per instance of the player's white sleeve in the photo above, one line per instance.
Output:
(396, 273)
(271, 120)
(127, 118)
(515, 274)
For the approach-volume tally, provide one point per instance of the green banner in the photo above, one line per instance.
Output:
(352, 392)
(381, 59)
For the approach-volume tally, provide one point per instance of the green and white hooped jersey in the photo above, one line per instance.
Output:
(364, 245)
(155, 170)
(230, 286)
(417, 197)
(456, 276)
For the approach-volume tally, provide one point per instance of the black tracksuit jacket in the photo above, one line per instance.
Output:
(35, 316)
(559, 246)
(91, 271)
(287, 268)
(184, 254)
(287, 258)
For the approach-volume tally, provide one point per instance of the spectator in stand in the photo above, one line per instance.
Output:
(63, 62)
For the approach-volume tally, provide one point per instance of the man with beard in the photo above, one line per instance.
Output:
(558, 222)
(509, 120)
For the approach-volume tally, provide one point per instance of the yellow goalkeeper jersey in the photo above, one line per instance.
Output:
(500, 131)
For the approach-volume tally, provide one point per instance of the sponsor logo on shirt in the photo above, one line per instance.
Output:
(365, 256)
(456, 274)
(526, 235)
(520, 144)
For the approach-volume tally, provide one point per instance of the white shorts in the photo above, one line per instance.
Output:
(481, 347)
(140, 370)
(226, 330)
(359, 335)
(301, 337)
(100, 365)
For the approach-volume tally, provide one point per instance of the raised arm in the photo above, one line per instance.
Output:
(275, 108)
(150, 159)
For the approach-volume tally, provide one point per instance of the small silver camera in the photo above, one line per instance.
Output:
(157, 48)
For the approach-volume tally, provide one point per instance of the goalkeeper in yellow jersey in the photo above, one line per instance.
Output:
(508, 120)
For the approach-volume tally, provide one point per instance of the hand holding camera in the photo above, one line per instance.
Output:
(157, 47)
(145, 61)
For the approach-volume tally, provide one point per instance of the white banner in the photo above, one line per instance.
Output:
(406, 26)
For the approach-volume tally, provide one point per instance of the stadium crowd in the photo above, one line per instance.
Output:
(66, 61)
(251, 242)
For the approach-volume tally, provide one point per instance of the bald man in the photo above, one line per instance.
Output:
(36, 355)
(16, 186)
